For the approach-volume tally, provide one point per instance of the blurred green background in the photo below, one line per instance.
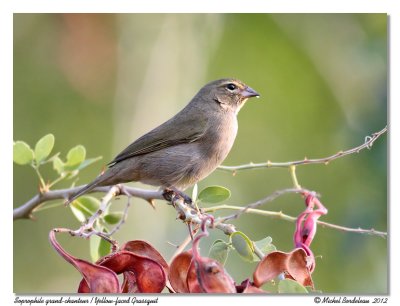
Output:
(102, 80)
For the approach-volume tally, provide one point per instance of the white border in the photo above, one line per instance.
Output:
(216, 6)
(7, 8)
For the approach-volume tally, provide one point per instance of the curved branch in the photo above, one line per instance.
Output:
(267, 199)
(369, 141)
(282, 216)
(25, 210)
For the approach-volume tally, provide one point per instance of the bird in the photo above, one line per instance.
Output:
(186, 148)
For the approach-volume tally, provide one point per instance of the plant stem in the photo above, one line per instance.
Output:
(292, 170)
(42, 182)
(282, 216)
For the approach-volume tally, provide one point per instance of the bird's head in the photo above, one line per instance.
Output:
(229, 94)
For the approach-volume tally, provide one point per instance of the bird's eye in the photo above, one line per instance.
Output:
(231, 86)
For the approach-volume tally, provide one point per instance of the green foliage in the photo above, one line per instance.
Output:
(88, 162)
(84, 207)
(214, 194)
(243, 245)
(220, 251)
(113, 218)
(58, 165)
(98, 246)
(75, 157)
(265, 246)
(43, 148)
(22, 153)
(290, 286)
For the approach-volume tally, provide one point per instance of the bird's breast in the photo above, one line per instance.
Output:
(219, 139)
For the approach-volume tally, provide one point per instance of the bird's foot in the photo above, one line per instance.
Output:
(170, 193)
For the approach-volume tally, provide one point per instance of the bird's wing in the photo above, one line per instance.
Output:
(165, 135)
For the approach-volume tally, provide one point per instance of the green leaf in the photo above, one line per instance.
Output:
(88, 162)
(214, 194)
(313, 290)
(58, 165)
(98, 246)
(113, 218)
(75, 157)
(84, 207)
(243, 245)
(72, 174)
(22, 153)
(219, 251)
(43, 148)
(290, 286)
(271, 287)
(265, 246)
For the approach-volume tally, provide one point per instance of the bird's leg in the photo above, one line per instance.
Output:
(169, 192)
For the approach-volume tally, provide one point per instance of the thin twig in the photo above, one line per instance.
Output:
(123, 219)
(292, 170)
(369, 141)
(258, 203)
(86, 230)
(282, 216)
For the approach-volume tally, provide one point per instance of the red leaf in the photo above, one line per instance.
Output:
(253, 289)
(142, 248)
(178, 272)
(207, 275)
(192, 281)
(96, 279)
(298, 269)
(145, 249)
(293, 264)
(129, 285)
(149, 274)
(270, 267)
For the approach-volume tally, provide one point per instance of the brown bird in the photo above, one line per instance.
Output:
(186, 148)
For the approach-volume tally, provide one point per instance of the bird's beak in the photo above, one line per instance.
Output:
(249, 92)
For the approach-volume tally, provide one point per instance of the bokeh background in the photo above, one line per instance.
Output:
(102, 80)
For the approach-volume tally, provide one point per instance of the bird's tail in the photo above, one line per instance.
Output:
(82, 191)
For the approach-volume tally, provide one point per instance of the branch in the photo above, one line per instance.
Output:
(190, 215)
(267, 199)
(282, 216)
(368, 142)
(185, 212)
(25, 211)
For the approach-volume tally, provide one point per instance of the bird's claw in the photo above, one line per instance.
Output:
(169, 194)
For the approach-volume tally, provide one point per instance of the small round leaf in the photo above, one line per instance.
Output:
(43, 148)
(98, 246)
(58, 165)
(243, 245)
(290, 286)
(84, 207)
(113, 218)
(214, 194)
(22, 153)
(75, 157)
(219, 251)
(265, 246)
